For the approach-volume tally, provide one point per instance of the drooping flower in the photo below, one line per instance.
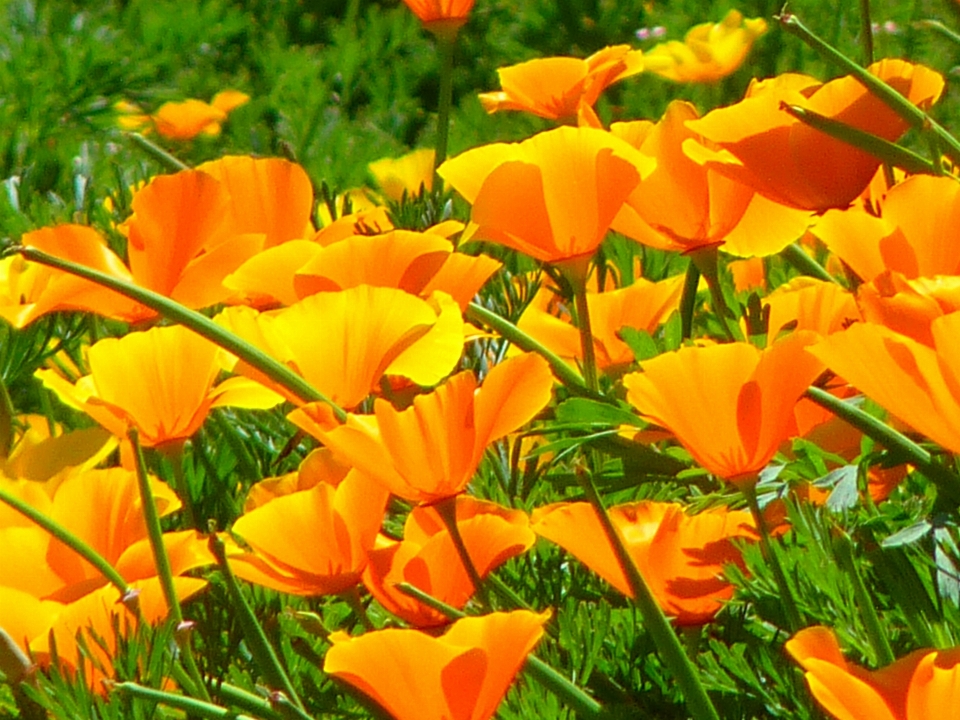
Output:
(553, 196)
(430, 451)
(709, 52)
(461, 675)
(341, 518)
(427, 557)
(792, 163)
(366, 333)
(924, 684)
(160, 381)
(680, 556)
(729, 405)
(683, 205)
(918, 383)
(913, 230)
(558, 88)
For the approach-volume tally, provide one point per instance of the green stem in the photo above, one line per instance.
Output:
(447, 510)
(688, 300)
(445, 48)
(947, 483)
(586, 335)
(200, 324)
(192, 706)
(510, 332)
(174, 453)
(794, 620)
(664, 637)
(796, 256)
(939, 27)
(237, 697)
(707, 262)
(161, 560)
(866, 32)
(553, 681)
(256, 638)
(883, 653)
(352, 598)
(157, 153)
(68, 539)
(895, 101)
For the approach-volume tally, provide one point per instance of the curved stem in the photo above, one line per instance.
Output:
(200, 324)
(707, 262)
(796, 256)
(447, 510)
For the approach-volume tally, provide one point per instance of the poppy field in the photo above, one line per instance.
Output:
(458, 359)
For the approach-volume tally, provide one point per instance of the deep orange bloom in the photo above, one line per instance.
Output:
(917, 383)
(418, 263)
(730, 405)
(558, 88)
(709, 51)
(427, 558)
(913, 230)
(553, 196)
(441, 17)
(765, 147)
(909, 306)
(160, 381)
(642, 305)
(684, 205)
(431, 450)
(680, 556)
(367, 332)
(461, 675)
(341, 519)
(183, 120)
(925, 684)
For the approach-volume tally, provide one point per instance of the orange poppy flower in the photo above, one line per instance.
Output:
(748, 274)
(427, 558)
(709, 52)
(367, 332)
(684, 205)
(642, 305)
(924, 684)
(808, 304)
(680, 556)
(913, 230)
(765, 147)
(917, 383)
(729, 405)
(441, 17)
(461, 675)
(342, 519)
(187, 119)
(431, 450)
(557, 88)
(909, 306)
(406, 174)
(418, 263)
(553, 196)
(161, 381)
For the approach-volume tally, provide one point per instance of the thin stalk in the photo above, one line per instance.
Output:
(797, 256)
(445, 48)
(68, 539)
(586, 335)
(664, 637)
(895, 101)
(161, 560)
(447, 510)
(794, 620)
(688, 300)
(707, 262)
(553, 681)
(200, 324)
(174, 453)
(939, 27)
(157, 153)
(352, 598)
(947, 483)
(561, 370)
(866, 32)
(192, 706)
(240, 698)
(256, 638)
(883, 653)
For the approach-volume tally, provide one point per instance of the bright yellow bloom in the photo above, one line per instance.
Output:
(405, 174)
